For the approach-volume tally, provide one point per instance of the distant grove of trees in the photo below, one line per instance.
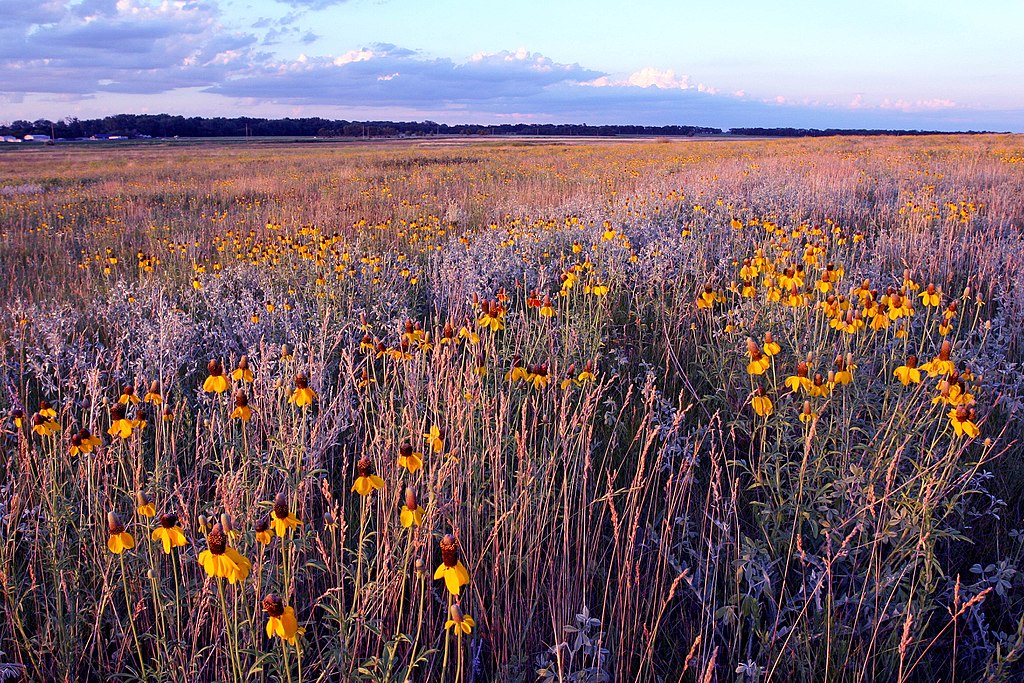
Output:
(819, 132)
(166, 125)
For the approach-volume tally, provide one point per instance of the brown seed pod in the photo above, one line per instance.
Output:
(114, 524)
(217, 540)
(448, 551)
(273, 605)
(281, 506)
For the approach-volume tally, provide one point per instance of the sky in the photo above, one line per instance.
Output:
(925, 64)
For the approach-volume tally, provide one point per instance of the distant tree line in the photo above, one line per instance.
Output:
(826, 132)
(166, 125)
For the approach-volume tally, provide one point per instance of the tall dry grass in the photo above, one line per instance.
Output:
(645, 524)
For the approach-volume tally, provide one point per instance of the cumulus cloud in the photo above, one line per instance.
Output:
(386, 75)
(917, 105)
(313, 4)
(115, 45)
(61, 51)
(648, 77)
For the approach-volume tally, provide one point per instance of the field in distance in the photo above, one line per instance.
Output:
(515, 410)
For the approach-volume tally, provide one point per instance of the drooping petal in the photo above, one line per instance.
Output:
(289, 624)
(451, 580)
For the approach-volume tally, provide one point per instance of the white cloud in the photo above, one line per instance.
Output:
(351, 56)
(649, 76)
(127, 45)
(644, 78)
(917, 105)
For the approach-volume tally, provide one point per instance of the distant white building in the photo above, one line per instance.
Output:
(37, 137)
(11, 138)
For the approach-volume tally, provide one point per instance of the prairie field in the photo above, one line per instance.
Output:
(663, 410)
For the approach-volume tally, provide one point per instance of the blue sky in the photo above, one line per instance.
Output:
(894, 64)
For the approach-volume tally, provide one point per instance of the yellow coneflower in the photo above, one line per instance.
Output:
(930, 297)
(800, 381)
(759, 363)
(282, 519)
(168, 414)
(908, 373)
(458, 621)
(242, 373)
(18, 417)
(169, 533)
(819, 387)
(941, 364)
(492, 315)
(899, 306)
(962, 419)
(47, 410)
(302, 395)
(435, 439)
(844, 369)
(401, 352)
(408, 458)
(467, 334)
(537, 376)
(807, 415)
(518, 371)
(447, 335)
(771, 347)
(281, 621)
(77, 447)
(120, 425)
(221, 560)
(143, 505)
(411, 513)
(89, 440)
(44, 426)
(588, 373)
(119, 540)
(128, 396)
(139, 417)
(365, 380)
(263, 533)
(367, 481)
(761, 404)
(570, 378)
(451, 568)
(242, 410)
(707, 298)
(215, 382)
(547, 310)
(153, 395)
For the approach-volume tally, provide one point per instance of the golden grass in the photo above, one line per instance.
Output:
(621, 509)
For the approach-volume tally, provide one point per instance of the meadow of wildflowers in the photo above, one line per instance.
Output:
(625, 411)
